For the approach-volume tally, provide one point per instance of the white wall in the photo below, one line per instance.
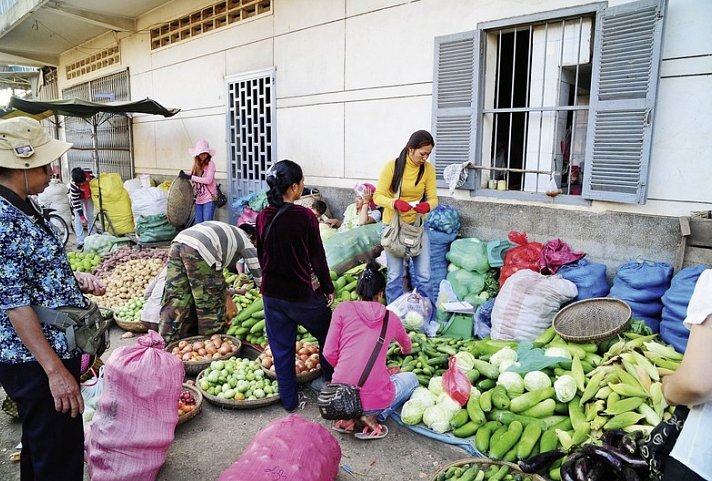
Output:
(354, 79)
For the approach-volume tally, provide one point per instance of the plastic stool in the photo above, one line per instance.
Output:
(495, 252)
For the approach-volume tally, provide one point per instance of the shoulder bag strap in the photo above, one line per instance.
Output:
(281, 210)
(376, 350)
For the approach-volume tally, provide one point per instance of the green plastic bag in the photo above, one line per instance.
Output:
(154, 228)
(469, 254)
(353, 247)
(466, 282)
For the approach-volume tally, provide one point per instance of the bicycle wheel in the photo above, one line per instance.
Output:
(59, 228)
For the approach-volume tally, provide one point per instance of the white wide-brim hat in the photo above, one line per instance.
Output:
(24, 144)
(200, 148)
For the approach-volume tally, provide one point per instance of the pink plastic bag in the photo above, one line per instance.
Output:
(525, 255)
(288, 449)
(248, 216)
(557, 253)
(456, 383)
(137, 413)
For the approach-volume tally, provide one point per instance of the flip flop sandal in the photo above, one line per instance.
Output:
(370, 434)
(344, 427)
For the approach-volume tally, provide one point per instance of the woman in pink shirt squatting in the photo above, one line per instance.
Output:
(355, 327)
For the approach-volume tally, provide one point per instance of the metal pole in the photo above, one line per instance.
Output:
(95, 154)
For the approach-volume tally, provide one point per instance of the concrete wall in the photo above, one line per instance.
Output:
(611, 238)
(354, 79)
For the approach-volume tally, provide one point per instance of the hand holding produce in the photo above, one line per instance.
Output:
(203, 350)
(422, 208)
(401, 205)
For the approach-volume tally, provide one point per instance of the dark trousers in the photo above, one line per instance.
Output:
(676, 471)
(281, 318)
(52, 442)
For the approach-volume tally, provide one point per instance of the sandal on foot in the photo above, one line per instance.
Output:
(345, 426)
(368, 434)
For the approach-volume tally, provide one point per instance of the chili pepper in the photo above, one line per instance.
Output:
(540, 461)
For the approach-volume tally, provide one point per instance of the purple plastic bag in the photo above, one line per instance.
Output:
(557, 253)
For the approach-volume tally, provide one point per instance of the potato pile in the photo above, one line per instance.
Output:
(306, 358)
(125, 254)
(204, 349)
(127, 281)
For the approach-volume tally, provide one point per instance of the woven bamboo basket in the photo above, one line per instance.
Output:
(301, 377)
(198, 396)
(592, 320)
(131, 326)
(192, 368)
(232, 404)
(486, 463)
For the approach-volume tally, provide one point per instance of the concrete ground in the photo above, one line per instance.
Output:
(209, 443)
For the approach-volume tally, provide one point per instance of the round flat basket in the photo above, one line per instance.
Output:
(232, 404)
(192, 368)
(180, 202)
(590, 320)
(198, 396)
(131, 326)
(485, 464)
(301, 378)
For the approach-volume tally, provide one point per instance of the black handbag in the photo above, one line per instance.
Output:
(220, 199)
(343, 401)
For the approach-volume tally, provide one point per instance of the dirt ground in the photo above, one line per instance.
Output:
(209, 443)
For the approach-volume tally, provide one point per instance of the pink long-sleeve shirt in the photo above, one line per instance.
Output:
(353, 333)
(205, 186)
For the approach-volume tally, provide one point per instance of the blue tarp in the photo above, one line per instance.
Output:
(447, 438)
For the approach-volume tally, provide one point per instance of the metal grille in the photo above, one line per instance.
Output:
(536, 110)
(114, 135)
(251, 106)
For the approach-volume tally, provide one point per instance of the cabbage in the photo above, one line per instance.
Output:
(437, 418)
(465, 361)
(448, 403)
(435, 385)
(504, 354)
(536, 380)
(557, 352)
(507, 363)
(565, 388)
(512, 382)
(413, 320)
(425, 397)
(412, 412)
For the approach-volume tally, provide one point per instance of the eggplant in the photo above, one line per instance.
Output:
(629, 474)
(604, 454)
(540, 461)
(613, 438)
(599, 472)
(635, 462)
(582, 467)
(629, 443)
(567, 469)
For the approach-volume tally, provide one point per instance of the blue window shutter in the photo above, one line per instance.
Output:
(626, 66)
(455, 100)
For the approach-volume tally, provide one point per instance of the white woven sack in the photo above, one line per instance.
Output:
(148, 201)
(527, 303)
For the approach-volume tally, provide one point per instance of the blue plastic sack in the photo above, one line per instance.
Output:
(642, 285)
(589, 277)
(443, 218)
(439, 247)
(675, 302)
(483, 319)
(675, 339)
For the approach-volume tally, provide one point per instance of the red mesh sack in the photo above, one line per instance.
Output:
(288, 449)
(526, 255)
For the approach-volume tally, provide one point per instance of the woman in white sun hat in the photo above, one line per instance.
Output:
(203, 177)
(39, 368)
